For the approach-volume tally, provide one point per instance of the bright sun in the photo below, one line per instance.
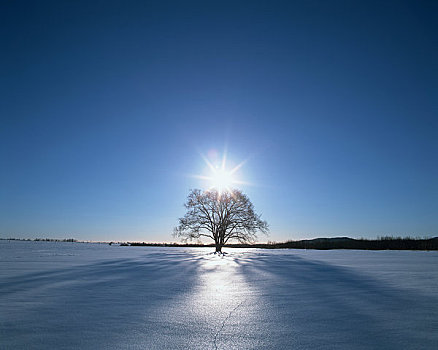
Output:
(222, 180)
(219, 177)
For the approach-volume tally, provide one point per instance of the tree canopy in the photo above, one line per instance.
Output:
(221, 216)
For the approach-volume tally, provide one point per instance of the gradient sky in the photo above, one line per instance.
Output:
(107, 107)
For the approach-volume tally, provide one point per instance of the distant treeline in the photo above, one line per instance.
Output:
(40, 239)
(145, 244)
(382, 243)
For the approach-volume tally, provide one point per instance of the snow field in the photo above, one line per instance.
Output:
(89, 296)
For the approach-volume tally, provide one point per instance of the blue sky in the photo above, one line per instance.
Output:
(108, 106)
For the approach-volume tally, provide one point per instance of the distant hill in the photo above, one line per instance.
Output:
(383, 243)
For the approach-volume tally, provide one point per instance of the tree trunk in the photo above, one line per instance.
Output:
(218, 248)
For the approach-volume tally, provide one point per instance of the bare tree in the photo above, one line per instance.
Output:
(221, 216)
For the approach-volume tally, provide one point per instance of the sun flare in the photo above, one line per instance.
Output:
(222, 180)
(218, 176)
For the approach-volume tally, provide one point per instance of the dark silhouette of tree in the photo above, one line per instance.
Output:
(221, 216)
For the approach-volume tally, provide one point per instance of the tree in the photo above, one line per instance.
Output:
(221, 216)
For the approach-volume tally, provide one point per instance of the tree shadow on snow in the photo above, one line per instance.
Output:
(307, 304)
(107, 304)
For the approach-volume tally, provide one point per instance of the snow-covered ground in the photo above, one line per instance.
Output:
(95, 296)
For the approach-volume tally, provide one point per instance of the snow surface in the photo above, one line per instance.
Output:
(96, 296)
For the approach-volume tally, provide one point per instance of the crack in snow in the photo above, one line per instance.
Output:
(223, 324)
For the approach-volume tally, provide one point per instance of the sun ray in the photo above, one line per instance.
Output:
(238, 166)
(202, 177)
(219, 177)
(211, 166)
(224, 160)
(245, 183)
